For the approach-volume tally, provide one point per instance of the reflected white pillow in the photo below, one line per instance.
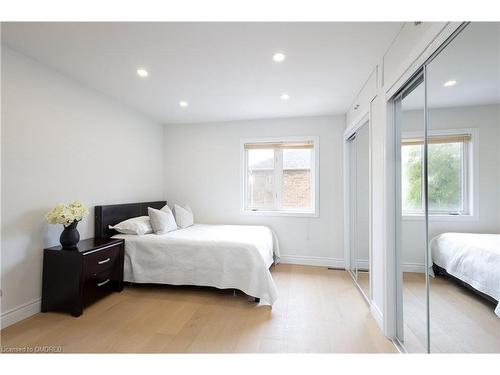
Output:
(166, 208)
(162, 221)
(183, 216)
(137, 225)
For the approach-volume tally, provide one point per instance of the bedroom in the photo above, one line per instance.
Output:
(61, 73)
(246, 188)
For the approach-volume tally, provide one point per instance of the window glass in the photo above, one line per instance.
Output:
(261, 178)
(280, 176)
(445, 176)
(411, 186)
(296, 178)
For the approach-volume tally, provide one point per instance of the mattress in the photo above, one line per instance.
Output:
(471, 257)
(221, 256)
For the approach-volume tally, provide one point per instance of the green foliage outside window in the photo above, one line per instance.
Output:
(444, 176)
(412, 177)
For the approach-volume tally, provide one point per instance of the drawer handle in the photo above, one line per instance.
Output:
(103, 283)
(104, 261)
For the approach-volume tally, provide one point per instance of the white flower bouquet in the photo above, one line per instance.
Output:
(67, 214)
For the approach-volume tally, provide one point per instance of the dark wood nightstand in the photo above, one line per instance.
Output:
(72, 279)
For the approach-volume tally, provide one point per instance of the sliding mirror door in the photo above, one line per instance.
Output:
(447, 125)
(358, 165)
(351, 154)
(411, 218)
(362, 209)
(463, 97)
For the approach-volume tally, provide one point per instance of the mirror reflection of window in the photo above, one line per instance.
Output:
(448, 174)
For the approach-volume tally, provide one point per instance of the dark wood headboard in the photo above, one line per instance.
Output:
(115, 213)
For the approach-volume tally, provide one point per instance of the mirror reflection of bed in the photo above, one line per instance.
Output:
(463, 112)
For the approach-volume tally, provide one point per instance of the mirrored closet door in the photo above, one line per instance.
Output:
(448, 205)
(411, 215)
(463, 131)
(358, 180)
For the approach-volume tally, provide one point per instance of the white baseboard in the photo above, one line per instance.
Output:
(312, 261)
(19, 313)
(363, 264)
(413, 267)
(377, 315)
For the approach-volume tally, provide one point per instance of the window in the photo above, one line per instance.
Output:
(448, 174)
(280, 176)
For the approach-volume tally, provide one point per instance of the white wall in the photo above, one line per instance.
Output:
(485, 201)
(62, 141)
(202, 163)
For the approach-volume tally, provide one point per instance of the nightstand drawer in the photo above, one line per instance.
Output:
(101, 260)
(97, 286)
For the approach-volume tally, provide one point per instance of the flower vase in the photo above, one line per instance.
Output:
(70, 237)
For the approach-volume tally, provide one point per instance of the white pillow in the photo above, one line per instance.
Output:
(162, 221)
(166, 208)
(183, 216)
(137, 225)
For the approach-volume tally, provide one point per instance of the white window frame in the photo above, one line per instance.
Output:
(279, 211)
(469, 180)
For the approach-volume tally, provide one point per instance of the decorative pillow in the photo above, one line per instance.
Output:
(162, 221)
(183, 216)
(166, 208)
(137, 225)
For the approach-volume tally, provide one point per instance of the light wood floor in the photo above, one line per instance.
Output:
(461, 321)
(318, 310)
(364, 281)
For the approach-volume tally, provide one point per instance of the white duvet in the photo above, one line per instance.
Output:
(221, 256)
(471, 257)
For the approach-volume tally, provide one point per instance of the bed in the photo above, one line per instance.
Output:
(472, 259)
(220, 256)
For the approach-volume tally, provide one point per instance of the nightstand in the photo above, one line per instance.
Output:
(73, 279)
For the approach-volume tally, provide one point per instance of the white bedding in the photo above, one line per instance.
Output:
(471, 257)
(221, 256)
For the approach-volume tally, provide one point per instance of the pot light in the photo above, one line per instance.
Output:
(450, 83)
(183, 104)
(285, 97)
(279, 57)
(142, 72)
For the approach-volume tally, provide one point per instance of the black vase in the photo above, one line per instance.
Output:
(70, 236)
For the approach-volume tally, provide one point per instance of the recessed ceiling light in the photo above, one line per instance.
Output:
(285, 96)
(450, 83)
(279, 57)
(142, 72)
(183, 104)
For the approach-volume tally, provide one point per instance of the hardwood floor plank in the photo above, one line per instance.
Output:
(318, 310)
(460, 321)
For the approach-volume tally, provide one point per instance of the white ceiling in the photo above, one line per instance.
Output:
(473, 60)
(224, 70)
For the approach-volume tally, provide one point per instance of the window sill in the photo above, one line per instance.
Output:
(440, 218)
(280, 213)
